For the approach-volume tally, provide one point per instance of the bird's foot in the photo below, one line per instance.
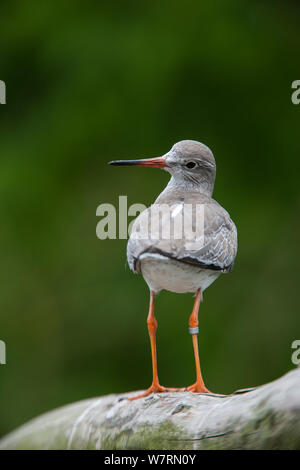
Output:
(197, 387)
(157, 388)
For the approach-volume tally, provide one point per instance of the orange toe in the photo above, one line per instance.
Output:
(197, 388)
(153, 389)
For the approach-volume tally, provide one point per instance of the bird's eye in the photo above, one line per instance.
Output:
(190, 165)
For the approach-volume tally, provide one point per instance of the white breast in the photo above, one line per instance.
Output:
(161, 272)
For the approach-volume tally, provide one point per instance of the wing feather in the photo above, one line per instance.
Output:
(212, 244)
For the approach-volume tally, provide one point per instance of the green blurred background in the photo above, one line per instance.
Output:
(88, 82)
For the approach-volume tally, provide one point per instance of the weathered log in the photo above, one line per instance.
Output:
(267, 417)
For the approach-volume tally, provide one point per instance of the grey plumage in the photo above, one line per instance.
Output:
(189, 187)
(220, 236)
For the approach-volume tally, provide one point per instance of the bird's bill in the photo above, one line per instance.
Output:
(159, 162)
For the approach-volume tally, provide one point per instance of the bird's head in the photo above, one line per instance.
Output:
(190, 163)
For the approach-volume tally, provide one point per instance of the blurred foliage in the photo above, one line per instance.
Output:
(91, 81)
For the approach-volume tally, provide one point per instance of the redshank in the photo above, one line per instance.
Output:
(173, 260)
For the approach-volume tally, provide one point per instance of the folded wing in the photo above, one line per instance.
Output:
(199, 234)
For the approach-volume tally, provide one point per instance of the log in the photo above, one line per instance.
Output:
(267, 417)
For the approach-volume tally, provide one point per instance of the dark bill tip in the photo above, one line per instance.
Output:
(122, 162)
(159, 162)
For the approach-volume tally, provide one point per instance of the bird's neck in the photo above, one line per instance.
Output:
(181, 185)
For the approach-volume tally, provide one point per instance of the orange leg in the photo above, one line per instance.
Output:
(152, 327)
(198, 386)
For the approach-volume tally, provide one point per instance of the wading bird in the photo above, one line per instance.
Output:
(181, 260)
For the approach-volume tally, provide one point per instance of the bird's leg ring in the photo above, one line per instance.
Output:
(198, 386)
(152, 327)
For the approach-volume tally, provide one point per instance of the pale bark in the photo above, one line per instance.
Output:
(267, 417)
